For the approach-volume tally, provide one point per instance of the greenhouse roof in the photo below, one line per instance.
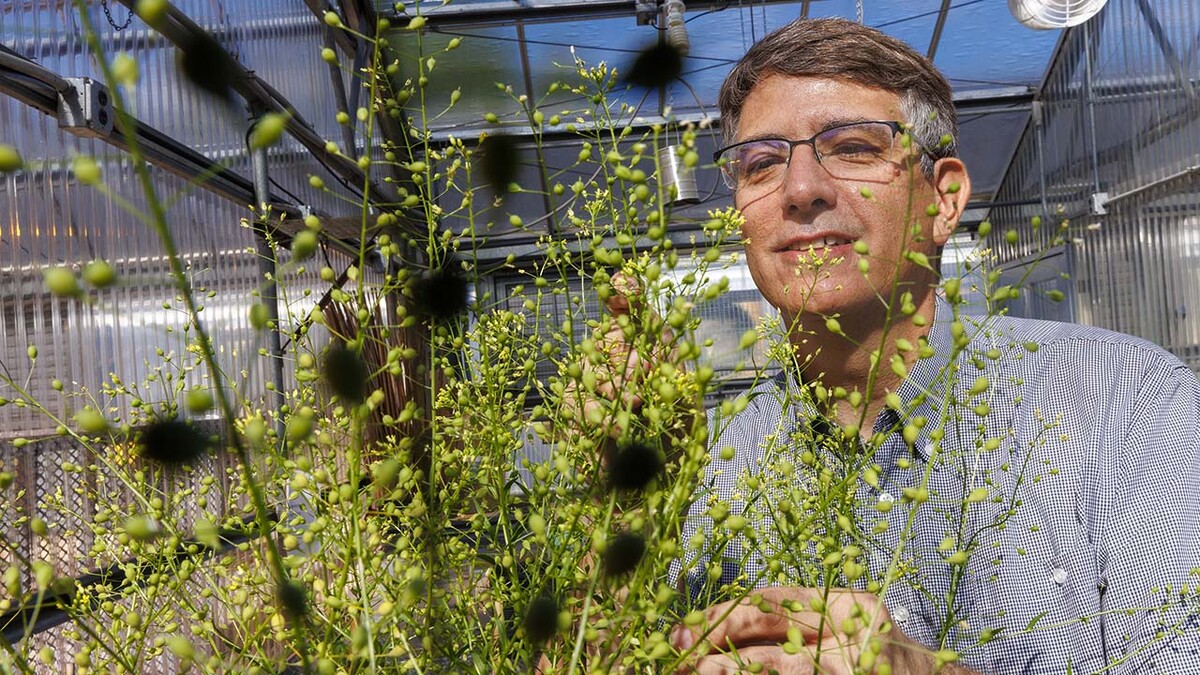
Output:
(993, 63)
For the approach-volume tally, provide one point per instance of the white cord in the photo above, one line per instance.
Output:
(858, 6)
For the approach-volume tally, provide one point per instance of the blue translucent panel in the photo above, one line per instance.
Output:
(484, 57)
(983, 46)
(615, 41)
(911, 21)
(986, 143)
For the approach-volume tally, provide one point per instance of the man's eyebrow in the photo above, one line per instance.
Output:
(842, 121)
(824, 126)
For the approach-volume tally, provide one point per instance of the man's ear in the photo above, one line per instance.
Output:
(952, 187)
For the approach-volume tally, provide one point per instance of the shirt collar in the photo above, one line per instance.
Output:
(925, 376)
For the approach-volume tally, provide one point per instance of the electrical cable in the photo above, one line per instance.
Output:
(922, 15)
(548, 43)
(711, 11)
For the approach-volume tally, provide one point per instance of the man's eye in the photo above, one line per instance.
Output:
(756, 162)
(851, 149)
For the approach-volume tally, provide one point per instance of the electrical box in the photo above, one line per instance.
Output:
(647, 11)
(86, 109)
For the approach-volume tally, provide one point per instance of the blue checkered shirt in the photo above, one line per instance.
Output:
(1084, 545)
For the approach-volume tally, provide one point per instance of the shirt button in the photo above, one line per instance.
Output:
(928, 448)
(886, 497)
(900, 614)
(1058, 575)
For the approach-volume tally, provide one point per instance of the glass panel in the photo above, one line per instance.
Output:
(984, 47)
(485, 56)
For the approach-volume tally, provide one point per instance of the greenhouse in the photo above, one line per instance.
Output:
(440, 336)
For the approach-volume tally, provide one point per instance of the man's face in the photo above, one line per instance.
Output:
(811, 215)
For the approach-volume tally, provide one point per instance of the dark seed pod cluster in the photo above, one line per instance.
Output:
(655, 66)
(346, 374)
(498, 161)
(173, 442)
(623, 554)
(207, 65)
(292, 599)
(541, 619)
(632, 465)
(440, 294)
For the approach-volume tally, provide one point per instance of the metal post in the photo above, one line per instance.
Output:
(268, 275)
(1090, 101)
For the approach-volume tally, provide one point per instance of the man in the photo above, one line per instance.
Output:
(992, 495)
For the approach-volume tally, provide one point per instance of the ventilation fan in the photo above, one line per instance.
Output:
(1050, 14)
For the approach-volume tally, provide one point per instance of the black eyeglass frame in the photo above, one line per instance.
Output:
(896, 127)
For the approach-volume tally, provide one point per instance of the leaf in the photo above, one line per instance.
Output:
(1034, 620)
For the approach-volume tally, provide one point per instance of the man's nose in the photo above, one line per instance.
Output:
(807, 186)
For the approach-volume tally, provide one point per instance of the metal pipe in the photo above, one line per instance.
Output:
(937, 30)
(1189, 172)
(268, 273)
(1088, 58)
(1039, 134)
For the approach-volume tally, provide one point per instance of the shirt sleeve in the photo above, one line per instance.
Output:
(1151, 549)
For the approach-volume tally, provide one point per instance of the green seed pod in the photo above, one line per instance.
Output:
(268, 130)
(99, 274)
(199, 400)
(259, 316)
(86, 170)
(152, 11)
(304, 244)
(61, 282)
(10, 159)
(91, 421)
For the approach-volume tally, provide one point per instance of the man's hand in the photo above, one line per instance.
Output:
(779, 629)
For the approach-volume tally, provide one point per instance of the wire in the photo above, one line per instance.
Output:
(922, 15)
(286, 191)
(619, 50)
(711, 11)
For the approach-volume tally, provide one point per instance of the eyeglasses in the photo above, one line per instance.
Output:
(856, 151)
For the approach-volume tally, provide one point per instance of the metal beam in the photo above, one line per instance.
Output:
(1164, 44)
(537, 11)
(33, 86)
(181, 30)
(937, 30)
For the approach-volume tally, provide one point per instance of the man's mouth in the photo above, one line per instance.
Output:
(828, 241)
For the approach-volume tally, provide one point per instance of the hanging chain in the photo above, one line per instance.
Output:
(108, 15)
(858, 6)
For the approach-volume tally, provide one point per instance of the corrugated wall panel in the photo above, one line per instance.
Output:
(1121, 116)
(51, 220)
